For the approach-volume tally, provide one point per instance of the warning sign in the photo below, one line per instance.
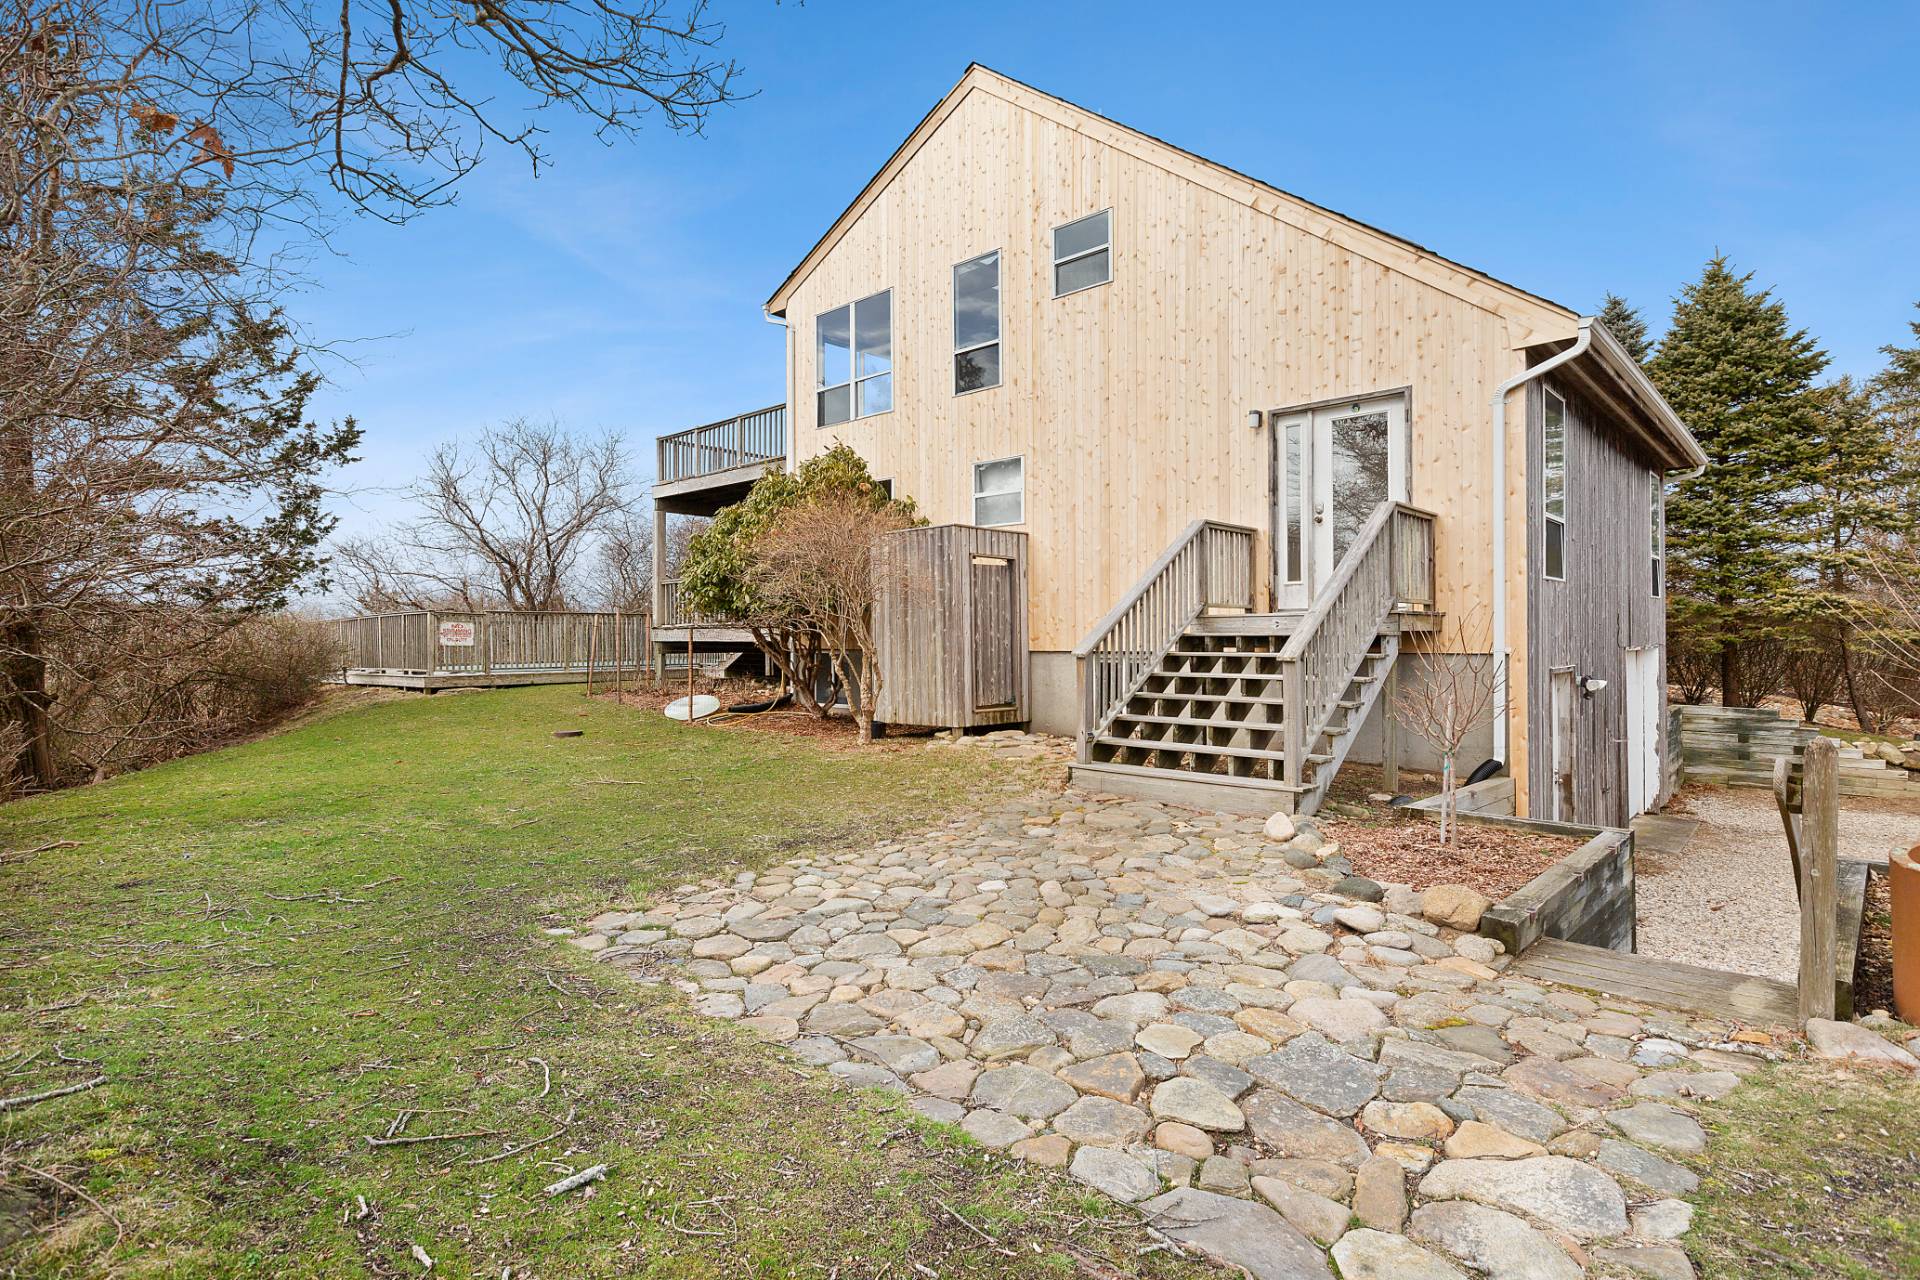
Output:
(456, 635)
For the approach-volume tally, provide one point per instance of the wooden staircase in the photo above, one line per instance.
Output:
(1244, 711)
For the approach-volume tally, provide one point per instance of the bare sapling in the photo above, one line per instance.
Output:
(1448, 702)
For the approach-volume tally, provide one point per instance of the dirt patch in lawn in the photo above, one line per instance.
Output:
(1494, 860)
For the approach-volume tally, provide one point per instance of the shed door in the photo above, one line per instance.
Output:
(1561, 703)
(992, 627)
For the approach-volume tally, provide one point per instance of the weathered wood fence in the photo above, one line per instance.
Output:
(443, 649)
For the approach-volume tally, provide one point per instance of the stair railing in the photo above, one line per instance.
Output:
(1388, 567)
(1210, 565)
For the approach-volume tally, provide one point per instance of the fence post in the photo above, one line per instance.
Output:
(1819, 852)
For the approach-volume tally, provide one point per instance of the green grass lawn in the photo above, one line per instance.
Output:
(1811, 1173)
(271, 950)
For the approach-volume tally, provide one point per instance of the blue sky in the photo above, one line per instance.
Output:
(1570, 151)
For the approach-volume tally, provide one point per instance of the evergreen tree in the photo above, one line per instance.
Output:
(1623, 321)
(1742, 379)
(1896, 395)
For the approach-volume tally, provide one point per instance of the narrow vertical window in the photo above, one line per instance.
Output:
(854, 378)
(1083, 253)
(835, 367)
(1553, 497)
(999, 491)
(1657, 529)
(1296, 549)
(976, 324)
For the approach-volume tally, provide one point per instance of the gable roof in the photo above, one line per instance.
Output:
(1537, 318)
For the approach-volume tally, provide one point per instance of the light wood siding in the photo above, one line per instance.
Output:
(1605, 606)
(950, 626)
(1129, 401)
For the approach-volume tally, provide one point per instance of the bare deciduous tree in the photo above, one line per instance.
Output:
(1451, 701)
(504, 524)
(817, 562)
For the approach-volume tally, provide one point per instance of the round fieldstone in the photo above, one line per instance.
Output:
(1102, 1122)
(1114, 1174)
(1366, 1254)
(1197, 1103)
(1496, 1243)
(1022, 1091)
(1574, 1197)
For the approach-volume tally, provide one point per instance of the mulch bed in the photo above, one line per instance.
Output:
(1493, 860)
(1873, 965)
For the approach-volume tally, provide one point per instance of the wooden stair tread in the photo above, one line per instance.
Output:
(1668, 984)
(1198, 748)
(1242, 699)
(1142, 717)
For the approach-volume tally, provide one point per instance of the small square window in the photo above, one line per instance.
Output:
(999, 492)
(1083, 253)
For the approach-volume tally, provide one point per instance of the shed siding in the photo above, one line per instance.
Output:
(1605, 607)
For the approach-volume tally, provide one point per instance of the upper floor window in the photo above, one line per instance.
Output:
(1000, 491)
(855, 359)
(976, 324)
(1553, 492)
(1083, 253)
(1657, 528)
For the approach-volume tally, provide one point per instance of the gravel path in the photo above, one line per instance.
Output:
(1728, 901)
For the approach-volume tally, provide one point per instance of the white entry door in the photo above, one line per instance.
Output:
(1646, 706)
(1333, 466)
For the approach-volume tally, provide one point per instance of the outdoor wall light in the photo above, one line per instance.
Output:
(1256, 419)
(1590, 685)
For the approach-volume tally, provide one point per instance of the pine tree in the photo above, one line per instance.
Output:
(1896, 394)
(1743, 380)
(1623, 321)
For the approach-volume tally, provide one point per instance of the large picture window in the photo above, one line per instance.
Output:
(855, 377)
(1000, 491)
(1083, 253)
(976, 324)
(1553, 491)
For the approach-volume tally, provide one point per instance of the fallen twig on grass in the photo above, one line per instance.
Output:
(404, 1141)
(575, 1181)
(11, 854)
(119, 1228)
(998, 1248)
(546, 1084)
(565, 1125)
(327, 895)
(28, 1099)
(420, 1256)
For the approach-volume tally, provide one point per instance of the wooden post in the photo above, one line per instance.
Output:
(619, 651)
(1819, 853)
(689, 675)
(1390, 728)
(593, 647)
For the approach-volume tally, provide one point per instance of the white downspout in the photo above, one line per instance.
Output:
(1501, 648)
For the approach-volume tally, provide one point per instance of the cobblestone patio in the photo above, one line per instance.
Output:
(1274, 1061)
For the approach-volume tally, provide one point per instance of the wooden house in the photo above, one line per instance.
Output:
(1270, 461)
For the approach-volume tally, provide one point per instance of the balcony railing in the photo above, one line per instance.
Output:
(760, 436)
(674, 613)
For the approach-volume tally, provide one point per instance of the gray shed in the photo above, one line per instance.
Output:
(950, 626)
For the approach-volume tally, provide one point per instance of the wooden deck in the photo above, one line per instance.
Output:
(1666, 984)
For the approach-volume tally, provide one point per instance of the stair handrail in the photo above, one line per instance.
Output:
(1210, 565)
(1319, 660)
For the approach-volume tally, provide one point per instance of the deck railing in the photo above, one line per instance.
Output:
(1388, 567)
(760, 436)
(675, 613)
(431, 642)
(1209, 566)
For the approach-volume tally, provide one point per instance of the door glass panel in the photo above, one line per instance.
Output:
(1295, 552)
(1359, 465)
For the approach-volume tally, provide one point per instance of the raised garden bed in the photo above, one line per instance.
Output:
(1585, 897)
(1493, 860)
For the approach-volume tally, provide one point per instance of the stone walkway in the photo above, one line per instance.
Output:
(1187, 1016)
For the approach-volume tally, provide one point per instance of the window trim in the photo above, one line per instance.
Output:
(978, 466)
(1657, 531)
(1104, 247)
(999, 327)
(854, 378)
(1546, 518)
